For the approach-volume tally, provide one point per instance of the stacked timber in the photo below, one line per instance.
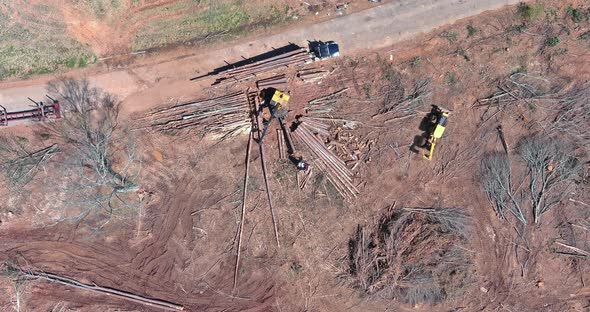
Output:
(275, 82)
(312, 74)
(298, 57)
(220, 117)
(323, 106)
(326, 161)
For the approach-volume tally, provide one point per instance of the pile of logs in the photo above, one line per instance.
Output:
(298, 57)
(312, 74)
(326, 161)
(219, 117)
(275, 82)
(317, 126)
(323, 106)
(349, 148)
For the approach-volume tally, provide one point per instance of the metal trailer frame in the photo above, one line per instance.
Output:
(41, 112)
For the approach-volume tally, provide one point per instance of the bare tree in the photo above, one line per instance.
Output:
(550, 170)
(95, 141)
(496, 179)
(551, 166)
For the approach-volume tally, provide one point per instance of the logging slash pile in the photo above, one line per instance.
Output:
(411, 255)
(220, 117)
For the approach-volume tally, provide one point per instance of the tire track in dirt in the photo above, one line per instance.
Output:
(157, 266)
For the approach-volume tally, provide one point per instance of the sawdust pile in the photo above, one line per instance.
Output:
(411, 255)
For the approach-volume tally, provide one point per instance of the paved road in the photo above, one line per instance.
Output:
(373, 28)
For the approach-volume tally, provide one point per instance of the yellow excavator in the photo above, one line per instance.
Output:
(436, 128)
(278, 105)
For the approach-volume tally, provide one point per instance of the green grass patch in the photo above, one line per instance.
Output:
(452, 37)
(552, 41)
(31, 45)
(576, 14)
(530, 12)
(230, 17)
(471, 31)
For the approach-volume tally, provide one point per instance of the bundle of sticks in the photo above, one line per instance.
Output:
(220, 117)
(408, 105)
(298, 57)
(22, 169)
(513, 89)
(312, 74)
(324, 105)
(274, 81)
(334, 168)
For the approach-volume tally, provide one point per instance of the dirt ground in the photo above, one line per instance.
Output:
(179, 243)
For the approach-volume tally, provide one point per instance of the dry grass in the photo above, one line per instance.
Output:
(208, 18)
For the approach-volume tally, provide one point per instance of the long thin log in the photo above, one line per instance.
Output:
(575, 249)
(281, 144)
(104, 290)
(263, 161)
(243, 218)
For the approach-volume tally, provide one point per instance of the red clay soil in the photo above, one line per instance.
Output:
(179, 245)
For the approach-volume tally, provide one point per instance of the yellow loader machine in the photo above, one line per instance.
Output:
(278, 105)
(436, 128)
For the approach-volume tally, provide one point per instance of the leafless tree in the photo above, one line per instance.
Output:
(90, 130)
(551, 166)
(550, 170)
(496, 180)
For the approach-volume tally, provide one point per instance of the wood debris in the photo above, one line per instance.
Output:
(298, 57)
(219, 117)
(274, 81)
(312, 74)
(349, 148)
(306, 176)
(281, 144)
(22, 169)
(511, 90)
(410, 103)
(326, 161)
(324, 105)
(54, 278)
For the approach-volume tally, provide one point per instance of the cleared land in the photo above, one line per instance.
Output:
(421, 236)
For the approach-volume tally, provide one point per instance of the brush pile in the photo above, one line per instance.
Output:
(21, 166)
(399, 105)
(220, 117)
(323, 106)
(325, 160)
(412, 255)
(298, 57)
(573, 117)
(518, 88)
